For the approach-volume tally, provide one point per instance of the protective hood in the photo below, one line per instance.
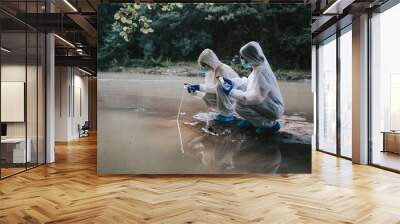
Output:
(253, 53)
(209, 58)
(219, 70)
(262, 86)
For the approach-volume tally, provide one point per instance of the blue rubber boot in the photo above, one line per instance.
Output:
(272, 130)
(224, 119)
(244, 124)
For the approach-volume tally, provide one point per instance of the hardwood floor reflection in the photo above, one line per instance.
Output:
(70, 191)
(8, 171)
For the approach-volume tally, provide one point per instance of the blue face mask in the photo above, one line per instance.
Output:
(203, 70)
(245, 65)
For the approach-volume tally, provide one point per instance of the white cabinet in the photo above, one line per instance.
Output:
(19, 155)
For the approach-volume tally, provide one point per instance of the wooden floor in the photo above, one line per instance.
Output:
(69, 191)
(5, 172)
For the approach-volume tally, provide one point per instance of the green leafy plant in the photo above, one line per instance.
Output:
(130, 17)
(179, 32)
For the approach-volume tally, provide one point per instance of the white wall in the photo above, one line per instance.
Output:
(70, 83)
(62, 82)
(12, 73)
(80, 89)
(33, 126)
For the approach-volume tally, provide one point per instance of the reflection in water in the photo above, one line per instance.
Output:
(227, 148)
(235, 154)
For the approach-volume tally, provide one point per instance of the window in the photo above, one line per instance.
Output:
(346, 92)
(385, 88)
(22, 77)
(327, 95)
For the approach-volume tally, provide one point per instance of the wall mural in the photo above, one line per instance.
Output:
(204, 88)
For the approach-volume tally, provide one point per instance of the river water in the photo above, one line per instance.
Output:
(141, 131)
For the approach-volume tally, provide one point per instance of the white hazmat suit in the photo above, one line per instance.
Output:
(214, 96)
(259, 99)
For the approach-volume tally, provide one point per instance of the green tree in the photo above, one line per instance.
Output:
(179, 32)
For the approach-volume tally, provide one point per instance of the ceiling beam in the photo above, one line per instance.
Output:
(84, 24)
(81, 61)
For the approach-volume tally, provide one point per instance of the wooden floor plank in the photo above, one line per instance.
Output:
(70, 191)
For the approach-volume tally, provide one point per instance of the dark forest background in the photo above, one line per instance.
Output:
(133, 35)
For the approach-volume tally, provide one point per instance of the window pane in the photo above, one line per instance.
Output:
(386, 88)
(31, 97)
(41, 99)
(346, 93)
(327, 96)
(13, 86)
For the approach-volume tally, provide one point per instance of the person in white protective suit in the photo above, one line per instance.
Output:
(214, 94)
(258, 97)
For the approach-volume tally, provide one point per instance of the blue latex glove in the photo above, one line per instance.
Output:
(227, 86)
(193, 88)
(224, 118)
